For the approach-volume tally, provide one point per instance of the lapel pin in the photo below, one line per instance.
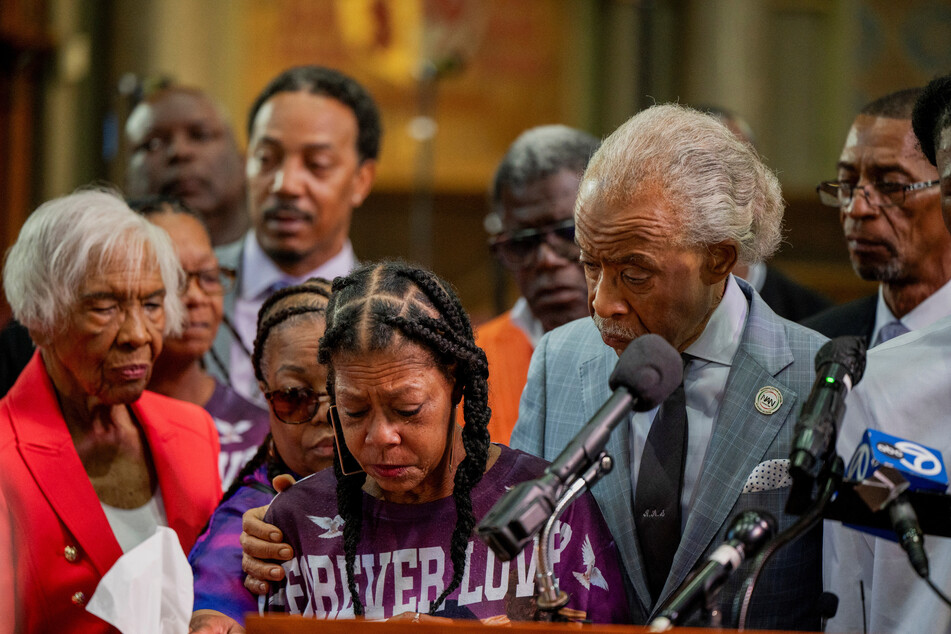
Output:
(768, 400)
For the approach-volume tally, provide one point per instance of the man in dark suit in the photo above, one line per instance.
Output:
(890, 208)
(787, 298)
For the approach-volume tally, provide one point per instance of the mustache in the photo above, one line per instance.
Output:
(610, 328)
(285, 209)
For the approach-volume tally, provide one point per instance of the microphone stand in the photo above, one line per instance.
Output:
(548, 597)
(830, 480)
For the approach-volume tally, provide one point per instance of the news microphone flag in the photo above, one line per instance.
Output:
(921, 466)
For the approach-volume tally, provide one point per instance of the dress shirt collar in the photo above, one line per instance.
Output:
(720, 339)
(936, 306)
(267, 273)
(524, 320)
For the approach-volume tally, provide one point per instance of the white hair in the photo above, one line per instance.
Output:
(716, 185)
(71, 237)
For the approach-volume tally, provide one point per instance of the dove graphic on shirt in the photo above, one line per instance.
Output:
(591, 575)
(230, 433)
(334, 527)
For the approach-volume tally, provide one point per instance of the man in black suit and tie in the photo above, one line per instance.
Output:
(889, 205)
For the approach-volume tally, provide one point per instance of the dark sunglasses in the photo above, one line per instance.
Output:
(296, 405)
(519, 249)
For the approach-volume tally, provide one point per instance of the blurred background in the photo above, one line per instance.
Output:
(457, 81)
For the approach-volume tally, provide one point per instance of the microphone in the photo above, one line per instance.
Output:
(748, 533)
(647, 373)
(888, 466)
(839, 364)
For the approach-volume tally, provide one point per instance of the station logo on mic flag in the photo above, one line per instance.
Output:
(922, 466)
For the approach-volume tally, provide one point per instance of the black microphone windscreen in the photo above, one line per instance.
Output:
(650, 369)
(828, 605)
(846, 351)
(752, 528)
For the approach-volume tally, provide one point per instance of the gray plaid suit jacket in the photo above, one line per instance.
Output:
(568, 382)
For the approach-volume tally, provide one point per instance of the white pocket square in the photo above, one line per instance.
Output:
(768, 475)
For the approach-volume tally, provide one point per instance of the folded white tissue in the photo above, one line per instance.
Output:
(149, 589)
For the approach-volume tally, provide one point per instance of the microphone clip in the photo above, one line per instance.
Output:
(548, 597)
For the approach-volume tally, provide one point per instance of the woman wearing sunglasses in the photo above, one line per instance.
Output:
(388, 533)
(290, 325)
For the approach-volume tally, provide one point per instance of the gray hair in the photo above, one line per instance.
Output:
(717, 185)
(540, 152)
(66, 239)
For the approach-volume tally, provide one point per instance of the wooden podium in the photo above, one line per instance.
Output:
(281, 624)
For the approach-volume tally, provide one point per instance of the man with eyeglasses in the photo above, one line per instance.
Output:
(886, 192)
(906, 392)
(533, 235)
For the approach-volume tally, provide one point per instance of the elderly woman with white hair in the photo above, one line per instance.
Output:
(92, 463)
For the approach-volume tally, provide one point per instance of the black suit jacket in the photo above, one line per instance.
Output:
(855, 318)
(16, 350)
(789, 299)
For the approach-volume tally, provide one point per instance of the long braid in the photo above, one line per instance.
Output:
(349, 488)
(350, 508)
(475, 439)
(376, 302)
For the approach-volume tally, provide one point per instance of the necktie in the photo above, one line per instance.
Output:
(891, 330)
(660, 482)
(276, 286)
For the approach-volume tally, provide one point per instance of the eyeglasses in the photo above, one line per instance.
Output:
(841, 193)
(214, 281)
(519, 249)
(296, 405)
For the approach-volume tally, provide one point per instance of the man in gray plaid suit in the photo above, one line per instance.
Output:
(668, 205)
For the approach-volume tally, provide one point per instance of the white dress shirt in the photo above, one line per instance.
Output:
(521, 315)
(906, 392)
(258, 275)
(133, 526)
(936, 306)
(704, 385)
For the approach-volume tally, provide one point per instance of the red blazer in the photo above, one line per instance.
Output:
(51, 517)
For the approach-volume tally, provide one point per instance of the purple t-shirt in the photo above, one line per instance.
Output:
(403, 560)
(242, 426)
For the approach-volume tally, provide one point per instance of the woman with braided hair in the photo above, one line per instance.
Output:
(388, 532)
(290, 324)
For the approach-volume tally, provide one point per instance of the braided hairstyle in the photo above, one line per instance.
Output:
(378, 307)
(288, 305)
